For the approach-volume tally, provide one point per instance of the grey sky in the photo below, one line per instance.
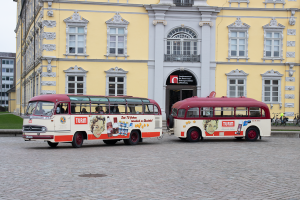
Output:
(8, 10)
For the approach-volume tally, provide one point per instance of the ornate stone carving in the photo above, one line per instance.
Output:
(155, 22)
(273, 25)
(237, 73)
(290, 54)
(50, 13)
(202, 23)
(271, 73)
(289, 96)
(290, 71)
(49, 23)
(292, 20)
(291, 32)
(117, 19)
(76, 18)
(290, 79)
(48, 92)
(46, 74)
(290, 43)
(75, 69)
(289, 105)
(49, 47)
(49, 67)
(238, 24)
(289, 114)
(290, 88)
(116, 70)
(49, 35)
(48, 83)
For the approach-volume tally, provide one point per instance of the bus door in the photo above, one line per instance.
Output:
(62, 119)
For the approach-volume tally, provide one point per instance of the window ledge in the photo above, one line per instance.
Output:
(274, 2)
(75, 54)
(237, 58)
(116, 56)
(272, 58)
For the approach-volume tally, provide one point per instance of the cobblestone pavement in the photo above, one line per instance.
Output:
(155, 169)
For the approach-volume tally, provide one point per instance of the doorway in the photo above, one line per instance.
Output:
(176, 93)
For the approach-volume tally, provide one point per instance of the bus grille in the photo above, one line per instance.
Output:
(157, 122)
(32, 128)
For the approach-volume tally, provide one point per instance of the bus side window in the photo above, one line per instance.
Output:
(135, 109)
(192, 113)
(224, 112)
(62, 108)
(85, 108)
(255, 112)
(148, 109)
(207, 112)
(117, 108)
(263, 113)
(155, 110)
(241, 112)
(181, 113)
(97, 108)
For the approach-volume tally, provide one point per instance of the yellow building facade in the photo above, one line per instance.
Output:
(130, 47)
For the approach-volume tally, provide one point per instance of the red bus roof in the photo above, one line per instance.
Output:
(219, 102)
(66, 97)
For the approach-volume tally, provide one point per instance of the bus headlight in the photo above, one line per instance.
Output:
(44, 129)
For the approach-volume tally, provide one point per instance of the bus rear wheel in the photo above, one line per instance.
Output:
(77, 140)
(52, 144)
(193, 135)
(134, 138)
(110, 142)
(251, 134)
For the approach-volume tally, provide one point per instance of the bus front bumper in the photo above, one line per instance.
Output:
(36, 137)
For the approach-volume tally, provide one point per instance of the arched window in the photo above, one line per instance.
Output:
(182, 46)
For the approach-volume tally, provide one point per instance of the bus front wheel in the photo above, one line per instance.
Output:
(193, 135)
(52, 144)
(134, 138)
(251, 134)
(77, 140)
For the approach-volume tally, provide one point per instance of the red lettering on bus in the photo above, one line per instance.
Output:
(81, 120)
(227, 123)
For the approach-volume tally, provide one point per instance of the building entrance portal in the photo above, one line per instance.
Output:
(180, 85)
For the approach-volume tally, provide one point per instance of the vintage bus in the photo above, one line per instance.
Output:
(197, 118)
(74, 118)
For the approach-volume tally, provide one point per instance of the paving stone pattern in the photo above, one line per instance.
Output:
(155, 169)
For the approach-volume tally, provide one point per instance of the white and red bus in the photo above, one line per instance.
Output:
(197, 118)
(74, 118)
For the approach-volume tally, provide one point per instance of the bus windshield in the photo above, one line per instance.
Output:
(40, 108)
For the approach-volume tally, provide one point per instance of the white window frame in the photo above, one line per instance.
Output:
(75, 71)
(238, 26)
(274, 2)
(273, 27)
(116, 83)
(239, 1)
(76, 21)
(76, 34)
(272, 75)
(237, 75)
(236, 85)
(116, 22)
(116, 72)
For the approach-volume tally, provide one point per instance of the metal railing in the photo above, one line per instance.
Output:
(182, 58)
(183, 2)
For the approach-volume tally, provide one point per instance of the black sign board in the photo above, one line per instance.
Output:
(181, 78)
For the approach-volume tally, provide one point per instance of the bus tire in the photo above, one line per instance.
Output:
(52, 144)
(170, 121)
(252, 134)
(134, 138)
(77, 140)
(193, 135)
(110, 142)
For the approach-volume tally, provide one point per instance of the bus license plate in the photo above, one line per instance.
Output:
(28, 136)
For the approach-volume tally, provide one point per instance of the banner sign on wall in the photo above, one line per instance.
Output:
(181, 78)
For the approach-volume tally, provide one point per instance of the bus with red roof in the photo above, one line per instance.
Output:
(196, 118)
(56, 118)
